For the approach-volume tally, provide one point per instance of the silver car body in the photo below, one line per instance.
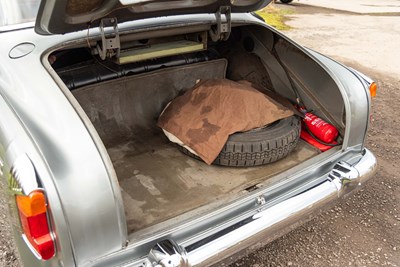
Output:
(45, 123)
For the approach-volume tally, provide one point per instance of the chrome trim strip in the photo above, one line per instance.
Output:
(367, 79)
(19, 26)
(23, 176)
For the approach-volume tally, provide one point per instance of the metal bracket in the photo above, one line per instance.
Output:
(167, 253)
(110, 45)
(223, 28)
(260, 200)
(342, 174)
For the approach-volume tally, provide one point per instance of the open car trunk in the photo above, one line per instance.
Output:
(158, 182)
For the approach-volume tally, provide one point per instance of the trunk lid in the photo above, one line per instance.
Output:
(63, 16)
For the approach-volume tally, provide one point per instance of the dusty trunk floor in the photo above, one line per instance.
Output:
(158, 182)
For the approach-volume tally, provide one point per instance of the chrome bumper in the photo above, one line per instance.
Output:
(342, 180)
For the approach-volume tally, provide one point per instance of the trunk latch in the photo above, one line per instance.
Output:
(223, 30)
(110, 45)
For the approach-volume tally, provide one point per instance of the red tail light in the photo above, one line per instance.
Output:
(33, 215)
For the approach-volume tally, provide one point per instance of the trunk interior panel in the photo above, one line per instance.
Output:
(158, 182)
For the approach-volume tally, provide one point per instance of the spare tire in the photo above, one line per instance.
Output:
(258, 146)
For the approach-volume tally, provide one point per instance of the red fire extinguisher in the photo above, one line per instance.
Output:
(319, 128)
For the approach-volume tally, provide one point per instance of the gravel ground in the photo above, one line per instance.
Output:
(362, 230)
(7, 252)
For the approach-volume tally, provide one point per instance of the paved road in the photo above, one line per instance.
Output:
(371, 40)
(356, 6)
(363, 230)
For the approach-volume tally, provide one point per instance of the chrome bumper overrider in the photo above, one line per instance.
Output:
(342, 179)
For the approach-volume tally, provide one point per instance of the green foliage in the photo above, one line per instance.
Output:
(275, 16)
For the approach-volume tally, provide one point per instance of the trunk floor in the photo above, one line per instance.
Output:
(158, 182)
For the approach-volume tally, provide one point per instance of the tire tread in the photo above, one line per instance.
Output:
(251, 151)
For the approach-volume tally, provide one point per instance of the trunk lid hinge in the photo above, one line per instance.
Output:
(110, 45)
(223, 30)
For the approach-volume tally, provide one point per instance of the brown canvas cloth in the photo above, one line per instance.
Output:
(205, 116)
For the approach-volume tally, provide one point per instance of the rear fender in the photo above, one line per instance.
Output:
(14, 144)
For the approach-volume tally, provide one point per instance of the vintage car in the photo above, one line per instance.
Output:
(92, 181)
